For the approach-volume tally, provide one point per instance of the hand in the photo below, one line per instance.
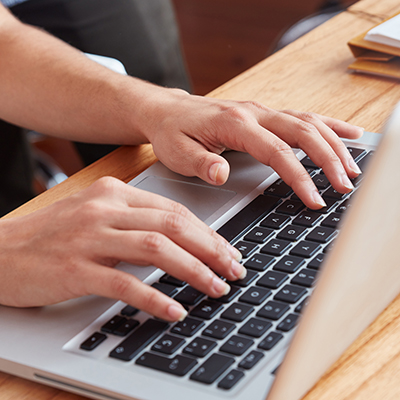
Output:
(194, 130)
(69, 249)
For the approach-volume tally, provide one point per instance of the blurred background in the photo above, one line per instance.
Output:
(221, 39)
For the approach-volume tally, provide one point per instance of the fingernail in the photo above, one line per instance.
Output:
(346, 182)
(176, 313)
(218, 173)
(235, 253)
(238, 270)
(221, 287)
(362, 129)
(318, 199)
(354, 167)
(213, 171)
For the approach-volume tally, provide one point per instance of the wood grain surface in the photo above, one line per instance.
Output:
(310, 75)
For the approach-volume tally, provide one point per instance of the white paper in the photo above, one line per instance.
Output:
(387, 33)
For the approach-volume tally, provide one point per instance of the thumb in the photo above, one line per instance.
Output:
(208, 166)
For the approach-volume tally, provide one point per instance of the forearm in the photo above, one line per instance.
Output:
(48, 86)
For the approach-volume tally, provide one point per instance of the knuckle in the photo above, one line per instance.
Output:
(280, 149)
(308, 116)
(196, 271)
(153, 242)
(306, 128)
(120, 285)
(150, 299)
(180, 209)
(175, 223)
(107, 183)
(200, 162)
(237, 113)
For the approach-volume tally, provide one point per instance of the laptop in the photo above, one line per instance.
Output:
(269, 338)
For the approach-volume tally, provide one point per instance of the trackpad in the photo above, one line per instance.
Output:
(202, 200)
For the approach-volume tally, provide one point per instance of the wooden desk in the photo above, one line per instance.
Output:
(310, 74)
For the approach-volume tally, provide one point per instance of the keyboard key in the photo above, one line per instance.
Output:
(329, 247)
(342, 208)
(93, 341)
(248, 216)
(363, 163)
(255, 296)
(290, 294)
(270, 341)
(179, 365)
(199, 347)
(330, 205)
(288, 323)
(246, 248)
(273, 310)
(307, 163)
(292, 232)
(302, 305)
(231, 379)
(321, 234)
(259, 262)
(237, 312)
(212, 368)
(290, 207)
(230, 296)
(129, 311)
(279, 188)
(251, 359)
(113, 323)
(170, 280)
(207, 309)
(255, 327)
(316, 262)
(321, 181)
(250, 277)
(305, 249)
(332, 220)
(259, 235)
(272, 279)
(236, 345)
(275, 221)
(289, 264)
(307, 218)
(165, 288)
(168, 344)
(189, 295)
(356, 153)
(219, 329)
(306, 277)
(331, 193)
(126, 327)
(188, 327)
(276, 247)
(139, 339)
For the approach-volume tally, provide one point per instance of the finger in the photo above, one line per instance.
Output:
(331, 138)
(310, 137)
(342, 128)
(205, 244)
(114, 284)
(269, 149)
(194, 159)
(123, 194)
(153, 248)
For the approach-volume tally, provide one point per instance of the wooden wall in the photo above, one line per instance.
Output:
(222, 38)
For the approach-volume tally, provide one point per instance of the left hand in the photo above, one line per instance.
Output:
(190, 132)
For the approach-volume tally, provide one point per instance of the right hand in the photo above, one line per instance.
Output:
(69, 249)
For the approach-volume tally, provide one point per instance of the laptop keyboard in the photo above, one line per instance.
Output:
(283, 245)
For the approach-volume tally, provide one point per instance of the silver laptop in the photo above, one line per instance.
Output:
(268, 339)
